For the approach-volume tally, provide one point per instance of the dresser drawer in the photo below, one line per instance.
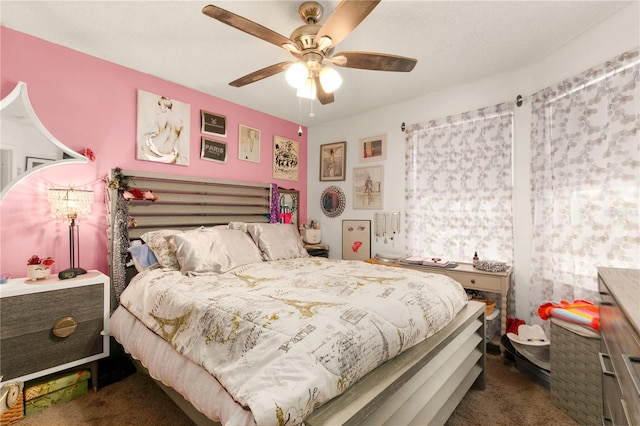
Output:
(26, 329)
(477, 281)
(611, 392)
(621, 343)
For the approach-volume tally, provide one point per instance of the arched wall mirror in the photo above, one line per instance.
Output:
(26, 146)
(290, 205)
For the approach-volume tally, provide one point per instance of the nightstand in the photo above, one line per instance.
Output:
(474, 279)
(317, 250)
(52, 325)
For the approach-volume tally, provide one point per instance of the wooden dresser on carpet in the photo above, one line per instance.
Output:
(620, 347)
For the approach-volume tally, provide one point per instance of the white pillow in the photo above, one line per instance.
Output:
(277, 241)
(217, 250)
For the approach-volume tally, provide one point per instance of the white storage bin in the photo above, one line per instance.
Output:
(493, 324)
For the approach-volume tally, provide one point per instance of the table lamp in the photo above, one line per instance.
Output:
(71, 204)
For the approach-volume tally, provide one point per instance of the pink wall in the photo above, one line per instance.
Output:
(86, 102)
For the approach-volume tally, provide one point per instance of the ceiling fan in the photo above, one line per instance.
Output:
(311, 44)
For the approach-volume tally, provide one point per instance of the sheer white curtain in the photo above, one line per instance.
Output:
(459, 186)
(585, 177)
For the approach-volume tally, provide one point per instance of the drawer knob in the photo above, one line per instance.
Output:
(473, 281)
(65, 327)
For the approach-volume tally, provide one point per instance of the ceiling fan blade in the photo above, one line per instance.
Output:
(323, 97)
(261, 74)
(244, 24)
(374, 61)
(345, 18)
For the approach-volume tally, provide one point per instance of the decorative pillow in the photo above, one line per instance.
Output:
(143, 258)
(242, 226)
(277, 241)
(217, 250)
(160, 248)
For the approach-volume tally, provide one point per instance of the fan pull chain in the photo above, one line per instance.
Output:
(299, 117)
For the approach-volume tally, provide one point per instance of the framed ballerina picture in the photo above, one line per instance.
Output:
(333, 159)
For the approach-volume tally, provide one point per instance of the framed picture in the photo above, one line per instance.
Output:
(163, 129)
(356, 239)
(285, 158)
(36, 161)
(213, 150)
(213, 124)
(333, 161)
(249, 144)
(368, 188)
(373, 148)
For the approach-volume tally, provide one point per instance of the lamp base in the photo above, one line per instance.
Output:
(71, 273)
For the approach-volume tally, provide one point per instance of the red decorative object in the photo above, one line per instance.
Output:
(286, 217)
(89, 154)
(135, 193)
(149, 195)
(35, 260)
(48, 262)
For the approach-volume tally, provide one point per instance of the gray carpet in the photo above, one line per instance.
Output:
(510, 398)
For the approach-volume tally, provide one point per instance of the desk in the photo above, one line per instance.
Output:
(472, 279)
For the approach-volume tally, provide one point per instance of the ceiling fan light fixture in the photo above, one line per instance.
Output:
(297, 74)
(308, 90)
(330, 79)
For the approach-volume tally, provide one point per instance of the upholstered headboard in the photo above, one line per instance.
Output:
(182, 203)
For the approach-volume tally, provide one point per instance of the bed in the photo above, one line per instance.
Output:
(266, 334)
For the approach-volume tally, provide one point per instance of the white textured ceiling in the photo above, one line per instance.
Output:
(455, 42)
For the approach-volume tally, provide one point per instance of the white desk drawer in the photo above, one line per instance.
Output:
(477, 281)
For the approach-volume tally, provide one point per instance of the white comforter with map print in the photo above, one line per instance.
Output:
(284, 337)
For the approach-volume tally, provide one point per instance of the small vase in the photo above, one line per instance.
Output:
(38, 272)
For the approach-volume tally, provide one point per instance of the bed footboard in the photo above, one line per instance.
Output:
(422, 385)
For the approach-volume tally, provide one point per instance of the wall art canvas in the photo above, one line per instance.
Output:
(249, 144)
(373, 148)
(213, 150)
(213, 124)
(285, 158)
(356, 239)
(162, 129)
(368, 188)
(333, 159)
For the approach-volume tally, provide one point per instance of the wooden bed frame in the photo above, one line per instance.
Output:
(423, 385)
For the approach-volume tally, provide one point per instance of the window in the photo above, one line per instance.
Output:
(459, 186)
